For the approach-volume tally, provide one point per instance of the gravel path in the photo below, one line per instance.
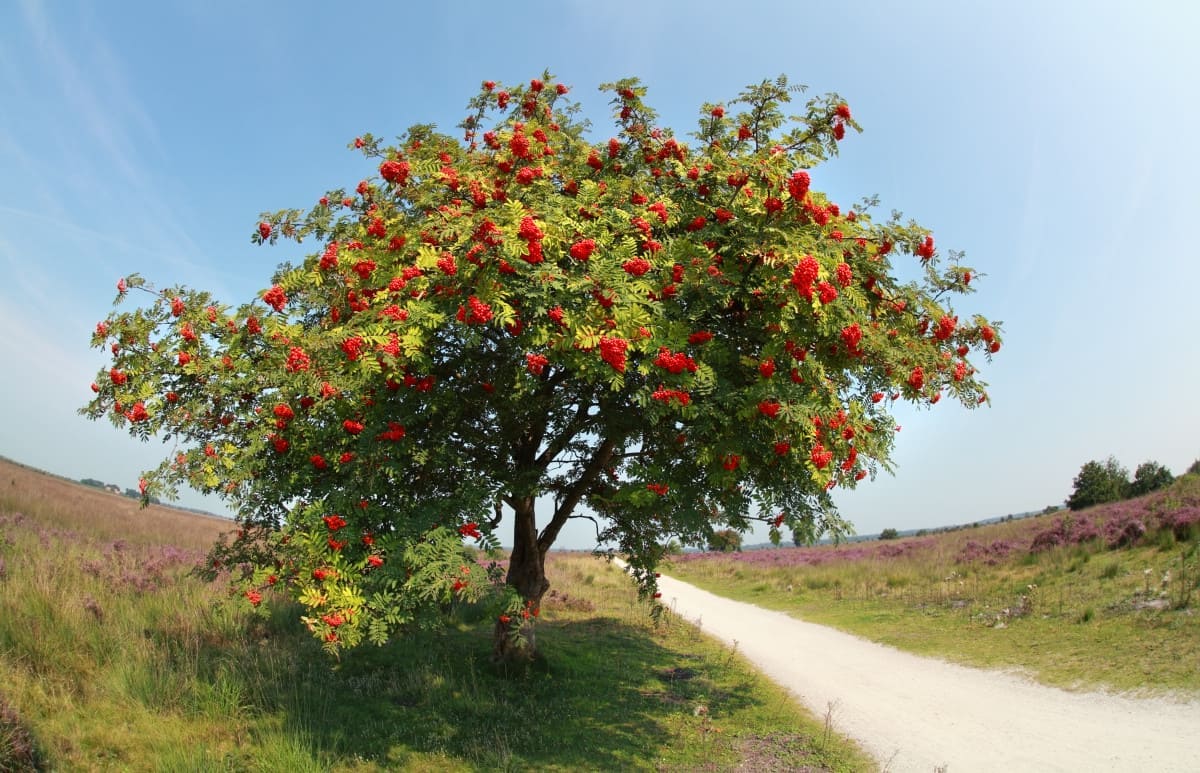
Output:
(921, 714)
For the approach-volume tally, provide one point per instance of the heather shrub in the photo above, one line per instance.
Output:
(18, 752)
(1083, 530)
(990, 554)
(1178, 508)
(1050, 538)
(1184, 523)
(1124, 531)
(1068, 530)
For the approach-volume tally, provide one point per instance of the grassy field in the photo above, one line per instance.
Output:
(113, 657)
(1108, 597)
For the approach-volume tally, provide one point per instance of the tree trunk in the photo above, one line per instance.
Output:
(516, 639)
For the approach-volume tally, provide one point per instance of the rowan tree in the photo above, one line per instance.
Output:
(664, 335)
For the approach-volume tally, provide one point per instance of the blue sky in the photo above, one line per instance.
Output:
(1054, 142)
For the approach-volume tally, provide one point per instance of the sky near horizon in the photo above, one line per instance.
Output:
(1055, 143)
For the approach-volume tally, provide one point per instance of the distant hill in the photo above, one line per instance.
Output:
(899, 534)
(113, 489)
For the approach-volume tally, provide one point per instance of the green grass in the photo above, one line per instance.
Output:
(111, 665)
(1079, 616)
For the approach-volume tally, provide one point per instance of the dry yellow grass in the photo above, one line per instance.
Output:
(116, 658)
(70, 505)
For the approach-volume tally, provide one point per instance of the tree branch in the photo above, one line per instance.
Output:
(558, 444)
(595, 523)
(499, 513)
(575, 493)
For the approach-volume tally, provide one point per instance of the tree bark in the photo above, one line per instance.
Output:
(516, 639)
(527, 575)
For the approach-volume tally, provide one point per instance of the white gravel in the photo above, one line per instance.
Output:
(922, 714)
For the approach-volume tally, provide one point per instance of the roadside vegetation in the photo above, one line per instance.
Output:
(1106, 597)
(113, 656)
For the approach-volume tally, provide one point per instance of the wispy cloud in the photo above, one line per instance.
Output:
(106, 147)
(83, 94)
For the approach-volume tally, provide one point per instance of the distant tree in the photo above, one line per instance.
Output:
(1099, 482)
(725, 541)
(1050, 509)
(1150, 476)
(1195, 468)
(92, 482)
(922, 532)
(889, 533)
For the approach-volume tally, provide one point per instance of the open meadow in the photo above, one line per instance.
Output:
(1101, 598)
(112, 656)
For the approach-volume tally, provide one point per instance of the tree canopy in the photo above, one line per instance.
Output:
(665, 335)
(725, 541)
(1108, 481)
(1150, 476)
(1099, 482)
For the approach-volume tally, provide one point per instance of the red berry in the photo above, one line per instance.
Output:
(583, 249)
(916, 379)
(925, 249)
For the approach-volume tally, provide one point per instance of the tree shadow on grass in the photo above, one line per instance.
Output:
(605, 695)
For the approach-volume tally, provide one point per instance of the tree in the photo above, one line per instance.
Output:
(889, 533)
(725, 541)
(1099, 482)
(1150, 476)
(656, 335)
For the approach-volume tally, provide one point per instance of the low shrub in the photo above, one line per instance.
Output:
(1068, 530)
(1184, 523)
(1124, 531)
(18, 752)
(990, 554)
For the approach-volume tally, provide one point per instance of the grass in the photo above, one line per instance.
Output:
(113, 657)
(1077, 615)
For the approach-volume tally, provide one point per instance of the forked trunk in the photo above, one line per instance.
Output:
(515, 639)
